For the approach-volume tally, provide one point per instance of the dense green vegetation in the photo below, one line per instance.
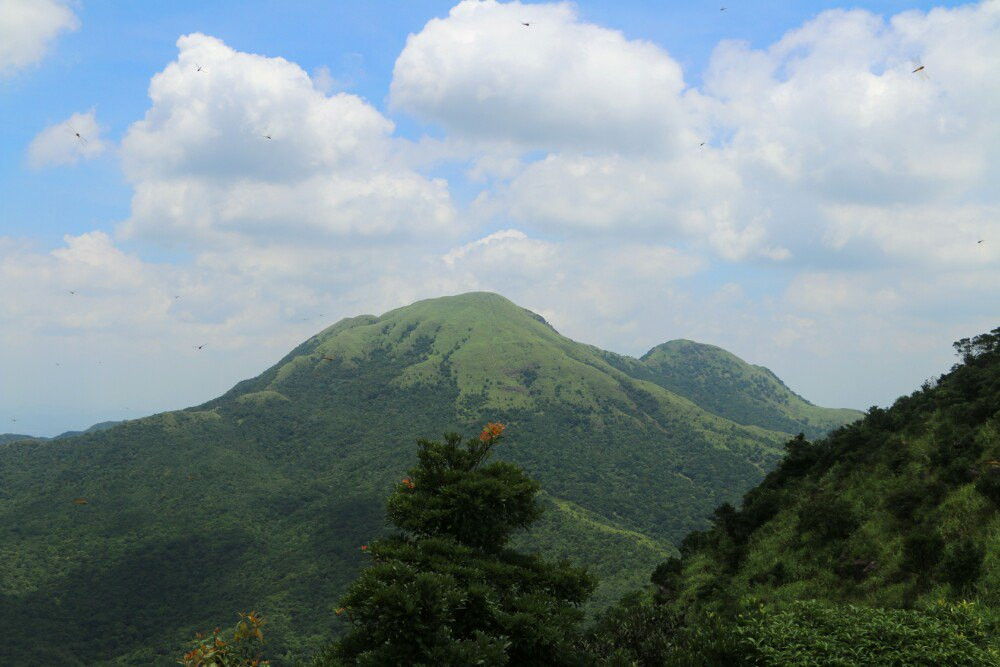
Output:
(448, 589)
(879, 544)
(121, 543)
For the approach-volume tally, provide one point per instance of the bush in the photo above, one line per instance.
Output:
(988, 484)
(828, 517)
(814, 633)
(243, 650)
(922, 551)
(962, 563)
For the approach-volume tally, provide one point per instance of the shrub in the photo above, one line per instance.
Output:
(962, 563)
(243, 650)
(921, 552)
(988, 484)
(828, 517)
(814, 633)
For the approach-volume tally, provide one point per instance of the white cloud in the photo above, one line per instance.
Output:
(76, 138)
(828, 120)
(27, 29)
(558, 82)
(248, 150)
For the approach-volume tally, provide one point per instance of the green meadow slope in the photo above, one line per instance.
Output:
(118, 544)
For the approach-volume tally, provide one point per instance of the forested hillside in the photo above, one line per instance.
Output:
(879, 544)
(120, 543)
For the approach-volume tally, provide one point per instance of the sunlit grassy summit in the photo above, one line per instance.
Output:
(260, 498)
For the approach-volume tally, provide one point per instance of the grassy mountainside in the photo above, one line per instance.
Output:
(726, 385)
(118, 544)
(899, 509)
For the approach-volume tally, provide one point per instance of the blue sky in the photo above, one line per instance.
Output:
(822, 231)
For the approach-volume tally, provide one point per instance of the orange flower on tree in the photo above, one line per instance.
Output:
(408, 483)
(364, 547)
(491, 431)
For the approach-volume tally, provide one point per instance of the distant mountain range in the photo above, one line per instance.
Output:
(118, 543)
(13, 437)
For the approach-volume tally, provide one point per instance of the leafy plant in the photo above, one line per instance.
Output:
(243, 650)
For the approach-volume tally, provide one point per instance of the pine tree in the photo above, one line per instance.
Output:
(447, 590)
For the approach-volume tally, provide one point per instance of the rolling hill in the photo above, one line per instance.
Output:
(119, 543)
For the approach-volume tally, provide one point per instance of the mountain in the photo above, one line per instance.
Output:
(118, 544)
(725, 385)
(13, 437)
(900, 509)
(102, 426)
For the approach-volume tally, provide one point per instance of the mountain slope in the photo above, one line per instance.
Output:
(135, 536)
(724, 384)
(900, 508)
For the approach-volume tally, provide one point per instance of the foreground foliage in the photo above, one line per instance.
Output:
(448, 590)
(243, 650)
(643, 632)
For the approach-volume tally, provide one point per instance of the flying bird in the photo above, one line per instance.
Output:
(722, 9)
(919, 68)
(326, 358)
(72, 291)
(198, 347)
(980, 241)
(526, 24)
(702, 143)
(78, 135)
(267, 136)
(199, 68)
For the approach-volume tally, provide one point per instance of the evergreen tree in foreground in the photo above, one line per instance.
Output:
(447, 590)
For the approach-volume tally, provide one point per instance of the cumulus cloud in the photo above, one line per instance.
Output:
(76, 138)
(827, 121)
(27, 30)
(558, 82)
(249, 148)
